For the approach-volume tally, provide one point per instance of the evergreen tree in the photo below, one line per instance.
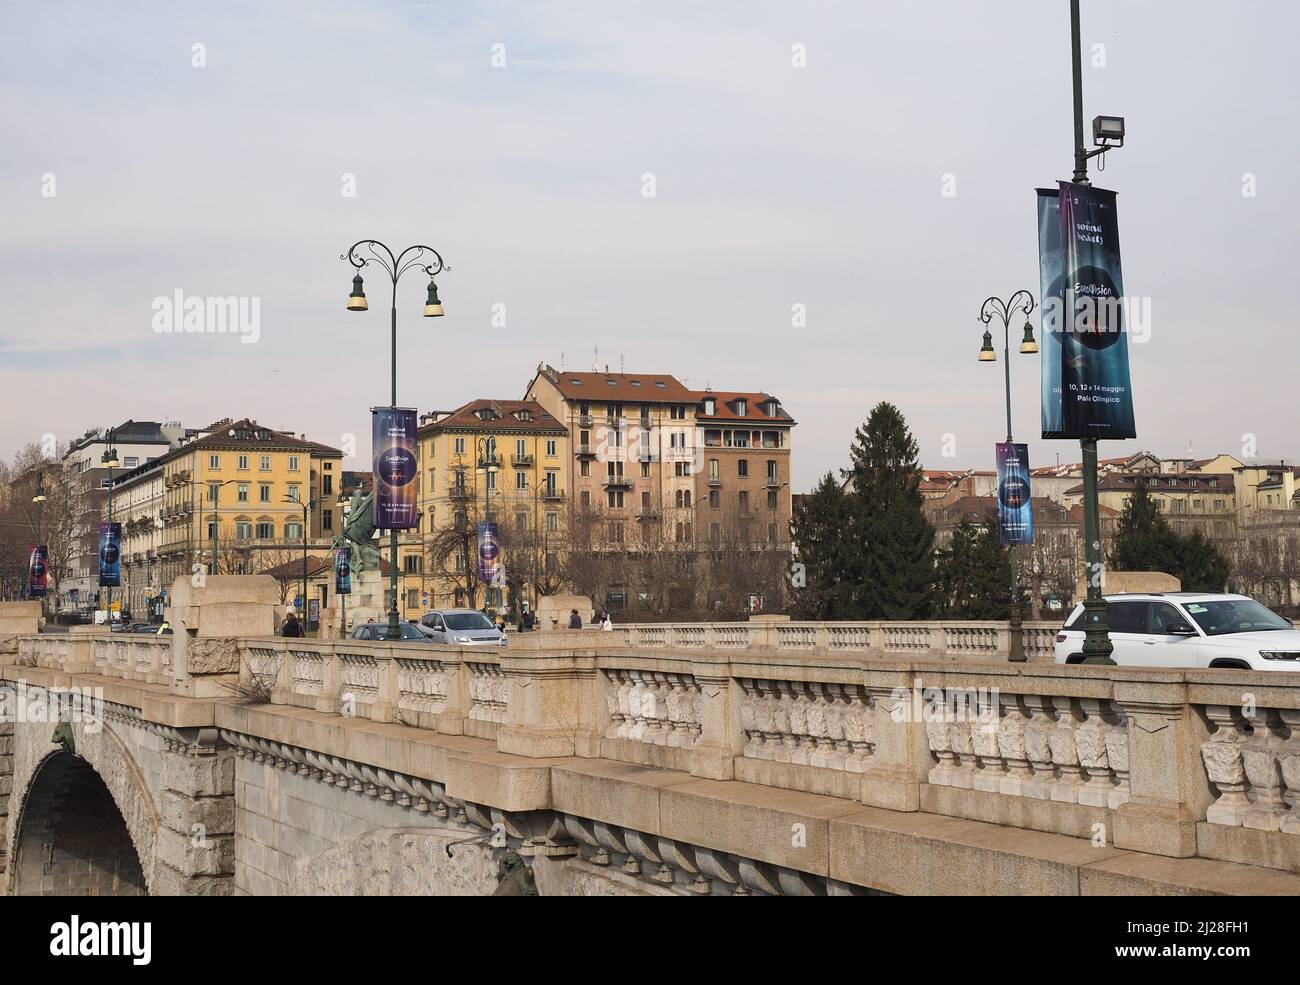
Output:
(974, 574)
(1144, 541)
(1202, 566)
(818, 528)
(890, 568)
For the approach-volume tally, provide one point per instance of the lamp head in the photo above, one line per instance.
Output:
(432, 306)
(987, 355)
(357, 299)
(1028, 345)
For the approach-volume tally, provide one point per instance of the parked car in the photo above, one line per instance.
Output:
(465, 627)
(378, 631)
(1188, 629)
(141, 627)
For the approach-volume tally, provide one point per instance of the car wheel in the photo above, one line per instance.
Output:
(1225, 663)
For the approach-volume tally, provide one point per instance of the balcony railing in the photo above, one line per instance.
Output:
(648, 513)
(458, 492)
(521, 461)
(552, 495)
(584, 451)
(715, 480)
(584, 420)
(618, 482)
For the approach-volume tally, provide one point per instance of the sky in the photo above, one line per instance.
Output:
(870, 164)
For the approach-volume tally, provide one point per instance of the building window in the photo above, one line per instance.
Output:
(585, 499)
(521, 522)
(293, 463)
(552, 522)
(616, 499)
(327, 520)
(521, 479)
(327, 485)
(214, 461)
(744, 501)
(521, 447)
(293, 530)
(264, 465)
(214, 489)
(771, 499)
(264, 492)
(771, 470)
(265, 530)
(742, 467)
(584, 467)
(715, 499)
(411, 564)
(459, 446)
(242, 463)
(243, 530)
(241, 492)
(550, 447)
(131, 461)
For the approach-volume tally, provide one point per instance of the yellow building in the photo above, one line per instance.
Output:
(503, 460)
(232, 498)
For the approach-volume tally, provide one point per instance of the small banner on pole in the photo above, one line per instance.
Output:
(38, 572)
(1015, 505)
(395, 467)
(110, 555)
(489, 554)
(343, 571)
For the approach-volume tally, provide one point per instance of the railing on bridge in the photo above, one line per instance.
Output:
(959, 639)
(1173, 762)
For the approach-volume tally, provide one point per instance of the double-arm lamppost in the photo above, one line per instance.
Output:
(1004, 311)
(429, 260)
(489, 464)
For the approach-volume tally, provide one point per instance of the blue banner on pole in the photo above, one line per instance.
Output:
(489, 554)
(343, 571)
(395, 468)
(1015, 502)
(110, 555)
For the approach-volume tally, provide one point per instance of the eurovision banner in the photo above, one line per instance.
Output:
(1086, 391)
(38, 572)
(343, 571)
(489, 554)
(1015, 507)
(395, 467)
(110, 555)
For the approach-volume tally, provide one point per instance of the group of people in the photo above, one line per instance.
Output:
(599, 619)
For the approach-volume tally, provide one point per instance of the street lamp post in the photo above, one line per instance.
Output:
(994, 307)
(487, 461)
(39, 499)
(109, 458)
(1097, 647)
(395, 266)
(305, 507)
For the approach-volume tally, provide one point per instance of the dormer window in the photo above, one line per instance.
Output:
(710, 406)
(742, 407)
(524, 415)
(771, 408)
(487, 414)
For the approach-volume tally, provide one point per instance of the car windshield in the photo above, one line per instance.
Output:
(467, 620)
(1234, 616)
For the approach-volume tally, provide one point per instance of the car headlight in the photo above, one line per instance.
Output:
(1280, 654)
(462, 639)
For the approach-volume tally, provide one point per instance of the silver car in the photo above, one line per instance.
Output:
(464, 627)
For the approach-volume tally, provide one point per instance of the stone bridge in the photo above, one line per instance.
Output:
(836, 759)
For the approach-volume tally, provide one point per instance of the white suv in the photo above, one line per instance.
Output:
(1188, 629)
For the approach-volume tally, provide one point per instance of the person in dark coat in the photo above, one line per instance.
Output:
(291, 626)
(575, 620)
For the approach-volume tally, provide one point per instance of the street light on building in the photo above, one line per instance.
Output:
(1005, 311)
(394, 265)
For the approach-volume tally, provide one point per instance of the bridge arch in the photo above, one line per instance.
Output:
(71, 839)
(85, 822)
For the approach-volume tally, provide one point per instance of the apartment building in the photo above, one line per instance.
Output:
(504, 460)
(229, 497)
(135, 443)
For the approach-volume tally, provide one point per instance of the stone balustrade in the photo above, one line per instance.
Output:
(1180, 763)
(956, 639)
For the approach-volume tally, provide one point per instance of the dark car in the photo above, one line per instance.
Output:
(378, 632)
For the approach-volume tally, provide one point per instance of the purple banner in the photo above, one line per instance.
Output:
(395, 468)
(38, 572)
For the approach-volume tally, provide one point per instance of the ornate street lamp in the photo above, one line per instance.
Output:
(361, 254)
(1004, 311)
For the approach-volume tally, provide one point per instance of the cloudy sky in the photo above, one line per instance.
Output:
(515, 138)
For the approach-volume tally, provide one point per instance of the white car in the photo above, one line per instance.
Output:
(1188, 629)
